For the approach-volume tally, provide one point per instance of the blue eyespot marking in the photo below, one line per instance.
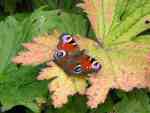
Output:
(78, 69)
(59, 54)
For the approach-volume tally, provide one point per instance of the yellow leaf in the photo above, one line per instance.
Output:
(100, 14)
(62, 85)
(124, 67)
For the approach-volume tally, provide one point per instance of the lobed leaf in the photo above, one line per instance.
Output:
(139, 101)
(133, 24)
(62, 85)
(39, 51)
(123, 54)
(125, 67)
(44, 47)
(21, 88)
(100, 14)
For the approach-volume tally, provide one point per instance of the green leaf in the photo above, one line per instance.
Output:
(38, 3)
(10, 40)
(75, 105)
(134, 102)
(20, 87)
(100, 13)
(53, 4)
(107, 107)
(21, 16)
(124, 51)
(128, 22)
(17, 87)
(68, 5)
(45, 21)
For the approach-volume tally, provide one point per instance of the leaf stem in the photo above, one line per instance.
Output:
(100, 42)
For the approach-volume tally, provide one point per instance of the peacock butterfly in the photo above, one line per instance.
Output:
(73, 60)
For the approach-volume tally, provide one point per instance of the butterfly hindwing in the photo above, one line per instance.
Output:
(86, 64)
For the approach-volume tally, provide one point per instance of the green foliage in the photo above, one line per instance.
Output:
(18, 86)
(10, 41)
(45, 21)
(135, 102)
(76, 105)
(128, 22)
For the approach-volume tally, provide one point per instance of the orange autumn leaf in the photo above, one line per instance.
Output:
(61, 84)
(121, 69)
(38, 51)
(125, 67)
(124, 62)
(100, 14)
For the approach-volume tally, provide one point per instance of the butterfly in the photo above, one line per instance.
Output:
(73, 60)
